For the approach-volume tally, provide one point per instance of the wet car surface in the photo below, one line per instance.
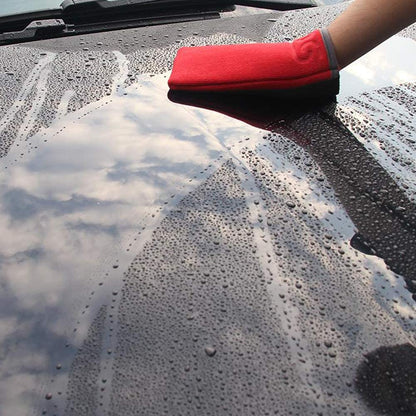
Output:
(205, 255)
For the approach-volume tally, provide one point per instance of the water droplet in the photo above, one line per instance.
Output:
(210, 351)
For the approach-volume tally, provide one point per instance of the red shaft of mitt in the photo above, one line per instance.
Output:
(260, 66)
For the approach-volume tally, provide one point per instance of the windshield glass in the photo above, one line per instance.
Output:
(9, 7)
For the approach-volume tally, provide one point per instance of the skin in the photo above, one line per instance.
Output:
(367, 23)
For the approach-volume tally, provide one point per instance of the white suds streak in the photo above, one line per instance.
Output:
(121, 76)
(288, 314)
(31, 80)
(63, 105)
(32, 114)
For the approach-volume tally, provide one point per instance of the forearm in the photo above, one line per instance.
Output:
(367, 23)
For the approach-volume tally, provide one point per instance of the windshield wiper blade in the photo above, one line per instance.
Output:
(81, 11)
(92, 11)
(102, 6)
(39, 29)
(87, 16)
(277, 4)
(81, 22)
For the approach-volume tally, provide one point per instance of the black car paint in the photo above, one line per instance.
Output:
(228, 285)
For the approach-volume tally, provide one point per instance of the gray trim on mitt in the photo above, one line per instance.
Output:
(330, 50)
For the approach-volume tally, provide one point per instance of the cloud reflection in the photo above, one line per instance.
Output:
(67, 206)
(391, 63)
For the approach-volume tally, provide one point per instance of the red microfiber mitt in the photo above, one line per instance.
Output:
(306, 66)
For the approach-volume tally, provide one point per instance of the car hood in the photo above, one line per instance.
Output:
(188, 254)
